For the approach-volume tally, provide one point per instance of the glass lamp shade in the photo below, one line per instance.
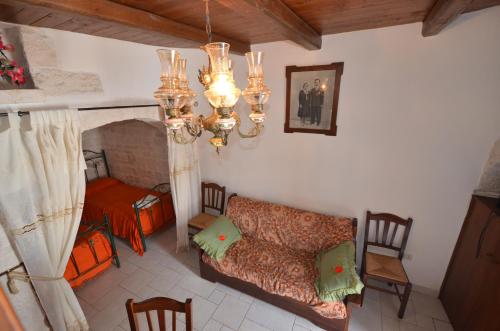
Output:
(256, 93)
(169, 61)
(169, 95)
(189, 94)
(254, 61)
(222, 91)
(219, 57)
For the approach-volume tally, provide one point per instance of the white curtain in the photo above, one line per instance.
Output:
(41, 199)
(185, 184)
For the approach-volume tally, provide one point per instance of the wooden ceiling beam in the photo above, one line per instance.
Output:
(290, 25)
(108, 11)
(443, 13)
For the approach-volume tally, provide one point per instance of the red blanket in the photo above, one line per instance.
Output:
(115, 198)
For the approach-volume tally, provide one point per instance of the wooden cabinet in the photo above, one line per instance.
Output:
(471, 289)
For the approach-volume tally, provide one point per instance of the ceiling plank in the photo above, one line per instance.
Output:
(441, 14)
(105, 10)
(290, 25)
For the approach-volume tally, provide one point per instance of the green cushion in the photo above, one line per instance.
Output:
(337, 273)
(218, 237)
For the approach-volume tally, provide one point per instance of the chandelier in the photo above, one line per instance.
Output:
(176, 98)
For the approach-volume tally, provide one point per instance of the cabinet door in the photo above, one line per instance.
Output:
(485, 300)
(463, 281)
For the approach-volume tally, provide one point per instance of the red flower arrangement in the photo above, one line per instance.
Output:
(9, 69)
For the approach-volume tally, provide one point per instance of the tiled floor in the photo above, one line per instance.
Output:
(162, 272)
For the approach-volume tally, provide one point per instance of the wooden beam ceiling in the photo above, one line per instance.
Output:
(181, 23)
(108, 11)
(288, 23)
(443, 13)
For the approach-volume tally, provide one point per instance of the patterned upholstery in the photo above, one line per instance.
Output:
(287, 226)
(278, 250)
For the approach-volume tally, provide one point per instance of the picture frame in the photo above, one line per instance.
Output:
(312, 97)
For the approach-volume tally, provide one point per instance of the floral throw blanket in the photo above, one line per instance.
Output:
(278, 270)
(278, 249)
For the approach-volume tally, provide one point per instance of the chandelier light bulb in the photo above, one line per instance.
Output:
(176, 98)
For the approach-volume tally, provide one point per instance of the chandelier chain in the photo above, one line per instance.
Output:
(208, 26)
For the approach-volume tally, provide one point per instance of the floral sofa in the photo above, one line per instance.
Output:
(275, 259)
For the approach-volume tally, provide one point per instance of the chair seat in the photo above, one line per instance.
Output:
(201, 221)
(384, 266)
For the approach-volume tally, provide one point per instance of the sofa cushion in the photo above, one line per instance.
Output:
(337, 273)
(287, 226)
(218, 237)
(278, 270)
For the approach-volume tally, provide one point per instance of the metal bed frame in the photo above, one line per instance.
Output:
(95, 159)
(105, 228)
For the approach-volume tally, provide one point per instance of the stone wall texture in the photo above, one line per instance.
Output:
(490, 179)
(136, 150)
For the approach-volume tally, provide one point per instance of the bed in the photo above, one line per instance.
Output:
(93, 252)
(133, 212)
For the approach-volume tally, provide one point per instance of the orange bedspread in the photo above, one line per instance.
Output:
(85, 259)
(115, 198)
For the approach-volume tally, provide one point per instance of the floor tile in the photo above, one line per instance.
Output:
(442, 326)
(96, 288)
(88, 309)
(372, 294)
(212, 325)
(216, 296)
(304, 323)
(249, 325)
(202, 311)
(164, 282)
(367, 318)
(225, 328)
(405, 326)
(198, 285)
(428, 306)
(270, 316)
(148, 292)
(135, 282)
(299, 328)
(231, 312)
(425, 322)
(228, 290)
(150, 262)
(108, 318)
(117, 296)
(390, 307)
(390, 324)
(127, 267)
(246, 298)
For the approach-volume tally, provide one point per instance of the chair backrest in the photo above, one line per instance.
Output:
(160, 305)
(385, 234)
(213, 196)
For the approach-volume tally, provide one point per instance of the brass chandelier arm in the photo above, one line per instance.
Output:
(254, 132)
(195, 130)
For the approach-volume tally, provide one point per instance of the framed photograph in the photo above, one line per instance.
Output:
(312, 97)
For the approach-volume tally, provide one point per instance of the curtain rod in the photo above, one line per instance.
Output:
(23, 113)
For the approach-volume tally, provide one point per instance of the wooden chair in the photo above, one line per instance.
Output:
(160, 305)
(382, 267)
(213, 196)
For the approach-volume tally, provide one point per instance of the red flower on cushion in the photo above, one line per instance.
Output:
(8, 47)
(222, 237)
(339, 269)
